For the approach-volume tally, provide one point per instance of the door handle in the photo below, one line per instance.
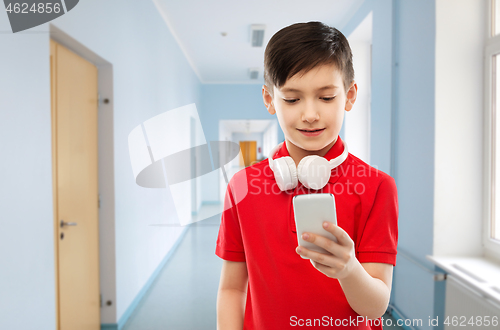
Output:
(67, 223)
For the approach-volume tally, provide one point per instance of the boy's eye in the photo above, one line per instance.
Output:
(290, 100)
(328, 98)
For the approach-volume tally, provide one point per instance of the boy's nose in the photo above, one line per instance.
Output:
(310, 114)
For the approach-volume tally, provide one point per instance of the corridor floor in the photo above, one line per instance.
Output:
(184, 295)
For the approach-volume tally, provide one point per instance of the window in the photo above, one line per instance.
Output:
(492, 130)
(495, 17)
(495, 145)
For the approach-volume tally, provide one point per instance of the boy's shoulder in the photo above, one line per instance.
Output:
(359, 170)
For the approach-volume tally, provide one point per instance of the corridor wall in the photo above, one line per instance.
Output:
(150, 75)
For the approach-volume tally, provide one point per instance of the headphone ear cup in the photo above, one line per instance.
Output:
(314, 172)
(285, 173)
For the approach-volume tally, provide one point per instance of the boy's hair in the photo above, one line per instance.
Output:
(303, 46)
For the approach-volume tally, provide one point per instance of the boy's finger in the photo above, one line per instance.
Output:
(321, 241)
(321, 258)
(342, 237)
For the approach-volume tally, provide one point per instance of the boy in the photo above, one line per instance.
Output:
(265, 284)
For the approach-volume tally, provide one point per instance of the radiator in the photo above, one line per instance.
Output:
(466, 308)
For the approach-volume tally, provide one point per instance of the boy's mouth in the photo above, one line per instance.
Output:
(310, 129)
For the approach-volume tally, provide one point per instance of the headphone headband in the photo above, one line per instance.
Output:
(271, 154)
(333, 162)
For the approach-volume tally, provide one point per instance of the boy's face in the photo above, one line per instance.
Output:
(313, 101)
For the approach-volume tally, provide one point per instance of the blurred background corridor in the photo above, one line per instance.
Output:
(85, 244)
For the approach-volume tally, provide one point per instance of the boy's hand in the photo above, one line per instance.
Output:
(342, 259)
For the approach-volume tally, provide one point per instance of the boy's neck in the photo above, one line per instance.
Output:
(298, 153)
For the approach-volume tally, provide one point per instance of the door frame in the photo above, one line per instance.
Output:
(107, 255)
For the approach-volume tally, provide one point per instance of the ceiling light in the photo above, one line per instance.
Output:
(257, 34)
(253, 73)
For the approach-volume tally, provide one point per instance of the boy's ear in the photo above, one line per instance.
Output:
(268, 100)
(352, 93)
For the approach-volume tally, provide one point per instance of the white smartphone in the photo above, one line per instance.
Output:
(310, 211)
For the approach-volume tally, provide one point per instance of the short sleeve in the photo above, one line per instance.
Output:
(229, 241)
(379, 238)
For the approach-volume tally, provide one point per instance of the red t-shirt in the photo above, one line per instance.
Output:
(284, 290)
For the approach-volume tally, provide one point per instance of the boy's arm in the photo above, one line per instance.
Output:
(367, 286)
(232, 295)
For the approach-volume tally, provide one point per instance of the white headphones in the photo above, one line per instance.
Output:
(313, 171)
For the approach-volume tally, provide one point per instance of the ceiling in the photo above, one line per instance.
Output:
(198, 26)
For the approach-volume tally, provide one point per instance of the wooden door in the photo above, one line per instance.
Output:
(248, 152)
(75, 175)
